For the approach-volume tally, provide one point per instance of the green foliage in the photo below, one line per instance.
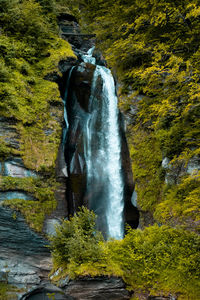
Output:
(147, 167)
(30, 50)
(181, 204)
(161, 259)
(34, 211)
(156, 260)
(8, 292)
(76, 242)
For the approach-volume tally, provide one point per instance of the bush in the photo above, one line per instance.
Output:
(76, 241)
(158, 260)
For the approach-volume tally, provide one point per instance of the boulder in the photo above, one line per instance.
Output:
(98, 288)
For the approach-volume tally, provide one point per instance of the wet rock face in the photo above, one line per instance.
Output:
(98, 288)
(24, 257)
(14, 167)
(81, 82)
(77, 108)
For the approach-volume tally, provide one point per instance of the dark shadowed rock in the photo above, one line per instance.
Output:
(77, 107)
(71, 31)
(46, 292)
(131, 213)
(65, 65)
(99, 288)
(100, 60)
(80, 85)
(8, 132)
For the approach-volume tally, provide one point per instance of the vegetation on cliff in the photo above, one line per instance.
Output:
(30, 49)
(153, 46)
(158, 260)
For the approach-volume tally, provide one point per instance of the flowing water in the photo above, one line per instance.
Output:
(99, 131)
(102, 153)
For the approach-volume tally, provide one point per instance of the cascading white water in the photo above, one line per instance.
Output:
(88, 58)
(113, 166)
(105, 185)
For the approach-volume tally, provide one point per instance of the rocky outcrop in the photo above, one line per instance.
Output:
(79, 94)
(46, 292)
(131, 214)
(99, 288)
(24, 256)
(14, 167)
(174, 172)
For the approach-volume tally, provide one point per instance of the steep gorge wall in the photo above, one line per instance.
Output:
(33, 176)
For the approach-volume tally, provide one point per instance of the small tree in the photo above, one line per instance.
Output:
(76, 241)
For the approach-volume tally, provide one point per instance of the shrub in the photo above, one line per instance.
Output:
(76, 241)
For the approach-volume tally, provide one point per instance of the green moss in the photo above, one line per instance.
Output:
(4, 150)
(146, 165)
(60, 50)
(30, 51)
(181, 204)
(8, 292)
(34, 211)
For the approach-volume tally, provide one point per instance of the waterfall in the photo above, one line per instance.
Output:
(105, 187)
(93, 146)
(88, 58)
